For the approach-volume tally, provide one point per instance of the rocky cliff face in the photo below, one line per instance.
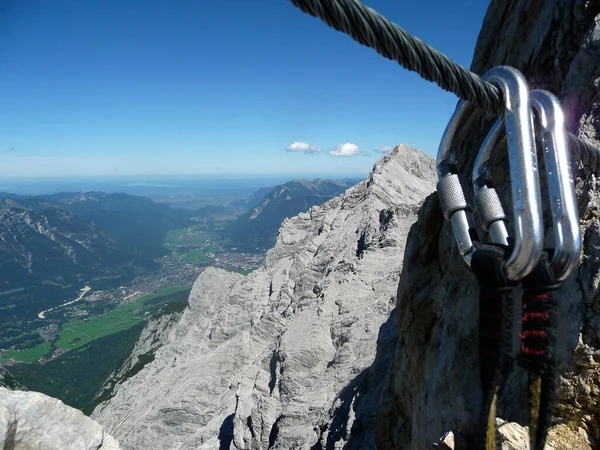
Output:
(432, 386)
(30, 420)
(151, 338)
(7, 380)
(284, 357)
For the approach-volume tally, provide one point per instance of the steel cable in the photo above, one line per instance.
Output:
(370, 28)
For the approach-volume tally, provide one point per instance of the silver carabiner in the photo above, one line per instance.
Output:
(456, 206)
(559, 176)
(527, 245)
(526, 200)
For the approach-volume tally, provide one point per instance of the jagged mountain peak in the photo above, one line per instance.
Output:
(405, 165)
(275, 359)
(301, 182)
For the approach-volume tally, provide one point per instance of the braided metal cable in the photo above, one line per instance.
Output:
(371, 29)
(588, 155)
(389, 40)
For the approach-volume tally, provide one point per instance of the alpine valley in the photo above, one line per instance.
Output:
(359, 327)
(81, 273)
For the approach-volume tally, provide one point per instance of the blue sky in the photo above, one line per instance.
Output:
(114, 87)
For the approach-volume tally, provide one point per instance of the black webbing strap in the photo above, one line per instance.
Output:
(495, 330)
(538, 345)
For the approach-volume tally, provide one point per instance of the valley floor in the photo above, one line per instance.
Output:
(90, 329)
(104, 306)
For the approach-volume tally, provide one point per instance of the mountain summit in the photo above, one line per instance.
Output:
(280, 357)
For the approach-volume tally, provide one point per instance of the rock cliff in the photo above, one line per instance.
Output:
(151, 338)
(433, 385)
(8, 381)
(284, 357)
(30, 420)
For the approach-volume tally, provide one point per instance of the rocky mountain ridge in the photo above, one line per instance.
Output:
(150, 340)
(257, 229)
(280, 358)
(33, 245)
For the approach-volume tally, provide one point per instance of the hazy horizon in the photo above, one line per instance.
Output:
(186, 176)
(159, 186)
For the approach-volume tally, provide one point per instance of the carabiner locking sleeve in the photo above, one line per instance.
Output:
(456, 205)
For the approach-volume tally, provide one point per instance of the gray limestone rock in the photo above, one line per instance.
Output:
(8, 381)
(433, 385)
(562, 437)
(150, 339)
(516, 437)
(285, 358)
(30, 420)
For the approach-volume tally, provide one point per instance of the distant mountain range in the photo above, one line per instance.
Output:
(257, 229)
(66, 237)
(254, 200)
(52, 244)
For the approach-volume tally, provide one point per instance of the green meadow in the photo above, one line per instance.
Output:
(30, 355)
(77, 333)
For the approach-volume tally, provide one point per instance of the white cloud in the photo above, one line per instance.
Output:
(384, 149)
(346, 149)
(302, 147)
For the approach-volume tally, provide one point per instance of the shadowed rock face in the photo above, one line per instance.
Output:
(30, 420)
(433, 384)
(284, 357)
(8, 381)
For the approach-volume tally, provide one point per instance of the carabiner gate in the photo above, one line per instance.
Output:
(526, 200)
